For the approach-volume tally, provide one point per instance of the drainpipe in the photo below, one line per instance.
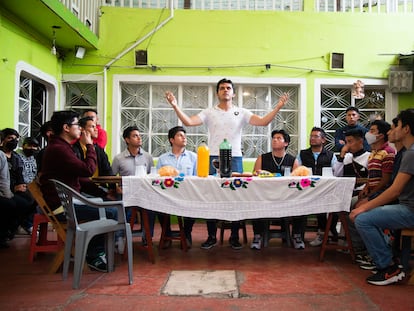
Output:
(133, 46)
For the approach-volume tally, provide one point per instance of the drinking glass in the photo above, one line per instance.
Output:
(216, 165)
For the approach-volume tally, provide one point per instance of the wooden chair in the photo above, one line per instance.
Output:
(224, 225)
(406, 237)
(178, 235)
(42, 220)
(143, 230)
(348, 246)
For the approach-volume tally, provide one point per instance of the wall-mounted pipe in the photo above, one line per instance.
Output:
(127, 50)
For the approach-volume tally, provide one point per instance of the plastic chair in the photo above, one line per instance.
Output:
(49, 216)
(39, 241)
(85, 231)
(283, 232)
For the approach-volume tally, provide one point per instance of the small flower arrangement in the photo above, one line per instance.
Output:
(303, 183)
(169, 182)
(236, 183)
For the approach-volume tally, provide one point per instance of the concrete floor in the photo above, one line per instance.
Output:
(275, 278)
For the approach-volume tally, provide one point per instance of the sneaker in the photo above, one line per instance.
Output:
(389, 275)
(23, 231)
(257, 242)
(99, 263)
(120, 245)
(209, 243)
(234, 243)
(298, 242)
(368, 266)
(317, 241)
(363, 259)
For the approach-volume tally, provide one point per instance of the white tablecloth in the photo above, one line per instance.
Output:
(239, 198)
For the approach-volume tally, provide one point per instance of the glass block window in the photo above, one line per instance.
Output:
(81, 96)
(145, 105)
(334, 102)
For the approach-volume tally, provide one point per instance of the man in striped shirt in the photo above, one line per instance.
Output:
(380, 161)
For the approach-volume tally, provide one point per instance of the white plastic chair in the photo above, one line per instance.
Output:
(83, 232)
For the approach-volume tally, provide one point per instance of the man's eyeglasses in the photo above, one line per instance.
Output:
(73, 124)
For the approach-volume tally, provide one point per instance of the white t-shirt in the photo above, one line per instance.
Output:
(225, 124)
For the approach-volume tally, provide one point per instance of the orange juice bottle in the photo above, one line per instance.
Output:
(203, 160)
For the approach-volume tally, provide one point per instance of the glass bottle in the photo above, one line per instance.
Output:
(203, 160)
(225, 158)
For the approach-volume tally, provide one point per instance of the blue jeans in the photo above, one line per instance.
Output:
(88, 213)
(236, 165)
(371, 224)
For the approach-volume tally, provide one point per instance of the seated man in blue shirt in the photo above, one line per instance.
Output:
(184, 161)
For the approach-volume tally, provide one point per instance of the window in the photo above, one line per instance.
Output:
(335, 100)
(143, 104)
(81, 95)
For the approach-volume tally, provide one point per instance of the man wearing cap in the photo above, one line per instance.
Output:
(351, 118)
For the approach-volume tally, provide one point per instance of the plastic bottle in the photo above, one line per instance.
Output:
(203, 160)
(225, 158)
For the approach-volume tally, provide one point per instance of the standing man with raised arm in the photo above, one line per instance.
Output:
(225, 120)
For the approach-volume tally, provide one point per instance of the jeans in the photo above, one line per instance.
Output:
(371, 224)
(236, 165)
(88, 213)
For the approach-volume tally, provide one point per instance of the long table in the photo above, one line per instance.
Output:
(239, 198)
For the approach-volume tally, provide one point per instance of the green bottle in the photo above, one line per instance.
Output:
(225, 158)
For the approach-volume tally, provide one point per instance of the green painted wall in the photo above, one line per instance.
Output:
(231, 43)
(19, 43)
(219, 43)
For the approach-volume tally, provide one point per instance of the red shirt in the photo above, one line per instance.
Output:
(102, 137)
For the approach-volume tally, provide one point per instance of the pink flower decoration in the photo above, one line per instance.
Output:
(305, 183)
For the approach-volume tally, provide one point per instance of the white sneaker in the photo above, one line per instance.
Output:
(257, 242)
(318, 240)
(23, 231)
(298, 242)
(120, 245)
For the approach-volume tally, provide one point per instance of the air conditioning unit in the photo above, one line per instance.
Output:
(400, 81)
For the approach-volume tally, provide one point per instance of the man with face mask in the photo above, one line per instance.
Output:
(17, 184)
(9, 144)
(28, 154)
(380, 161)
